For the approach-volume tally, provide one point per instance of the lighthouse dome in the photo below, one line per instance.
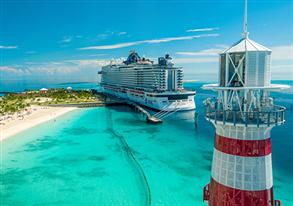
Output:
(244, 45)
(245, 64)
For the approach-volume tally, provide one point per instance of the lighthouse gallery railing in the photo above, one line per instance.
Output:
(274, 115)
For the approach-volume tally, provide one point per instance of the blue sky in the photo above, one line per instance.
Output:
(70, 40)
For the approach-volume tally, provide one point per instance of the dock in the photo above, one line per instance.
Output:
(112, 101)
(149, 118)
(154, 120)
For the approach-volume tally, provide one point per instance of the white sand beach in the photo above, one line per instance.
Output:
(12, 124)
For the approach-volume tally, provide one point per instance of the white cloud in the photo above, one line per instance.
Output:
(16, 70)
(196, 60)
(114, 46)
(206, 52)
(8, 47)
(282, 61)
(152, 41)
(54, 68)
(95, 55)
(103, 36)
(8, 69)
(67, 39)
(70, 38)
(222, 46)
(202, 29)
(282, 71)
(284, 52)
(41, 68)
(278, 52)
(282, 68)
(89, 62)
(108, 34)
(122, 33)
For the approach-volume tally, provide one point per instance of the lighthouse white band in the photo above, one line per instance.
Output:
(244, 173)
(242, 132)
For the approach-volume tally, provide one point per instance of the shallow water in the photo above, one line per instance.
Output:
(82, 159)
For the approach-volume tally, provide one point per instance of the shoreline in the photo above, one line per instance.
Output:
(36, 115)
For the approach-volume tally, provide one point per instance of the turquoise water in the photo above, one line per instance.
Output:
(109, 156)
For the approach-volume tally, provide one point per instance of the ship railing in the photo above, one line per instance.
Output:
(274, 115)
(171, 112)
(161, 114)
(167, 112)
(162, 111)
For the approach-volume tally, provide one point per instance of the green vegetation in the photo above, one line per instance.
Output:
(13, 102)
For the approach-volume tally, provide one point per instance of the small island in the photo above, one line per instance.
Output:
(20, 111)
(17, 102)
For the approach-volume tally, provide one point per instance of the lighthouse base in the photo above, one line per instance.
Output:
(241, 167)
(221, 195)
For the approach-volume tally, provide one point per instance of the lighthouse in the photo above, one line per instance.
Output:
(243, 114)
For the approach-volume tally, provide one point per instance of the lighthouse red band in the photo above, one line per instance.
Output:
(241, 170)
(246, 148)
(224, 196)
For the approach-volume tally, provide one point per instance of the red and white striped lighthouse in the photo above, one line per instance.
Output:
(243, 115)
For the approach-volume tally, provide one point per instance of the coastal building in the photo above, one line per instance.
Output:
(243, 115)
(158, 86)
(43, 90)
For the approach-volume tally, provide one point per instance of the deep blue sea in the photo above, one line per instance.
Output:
(110, 156)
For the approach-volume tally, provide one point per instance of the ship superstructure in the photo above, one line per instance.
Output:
(243, 115)
(158, 86)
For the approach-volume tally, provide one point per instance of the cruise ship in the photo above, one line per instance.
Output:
(155, 85)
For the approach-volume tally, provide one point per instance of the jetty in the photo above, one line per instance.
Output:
(110, 100)
(149, 117)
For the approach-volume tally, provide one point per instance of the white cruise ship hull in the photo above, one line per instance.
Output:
(168, 101)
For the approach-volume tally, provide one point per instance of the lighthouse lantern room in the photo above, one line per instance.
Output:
(243, 114)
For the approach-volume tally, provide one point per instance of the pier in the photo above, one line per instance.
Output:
(137, 108)
(112, 101)
(149, 117)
